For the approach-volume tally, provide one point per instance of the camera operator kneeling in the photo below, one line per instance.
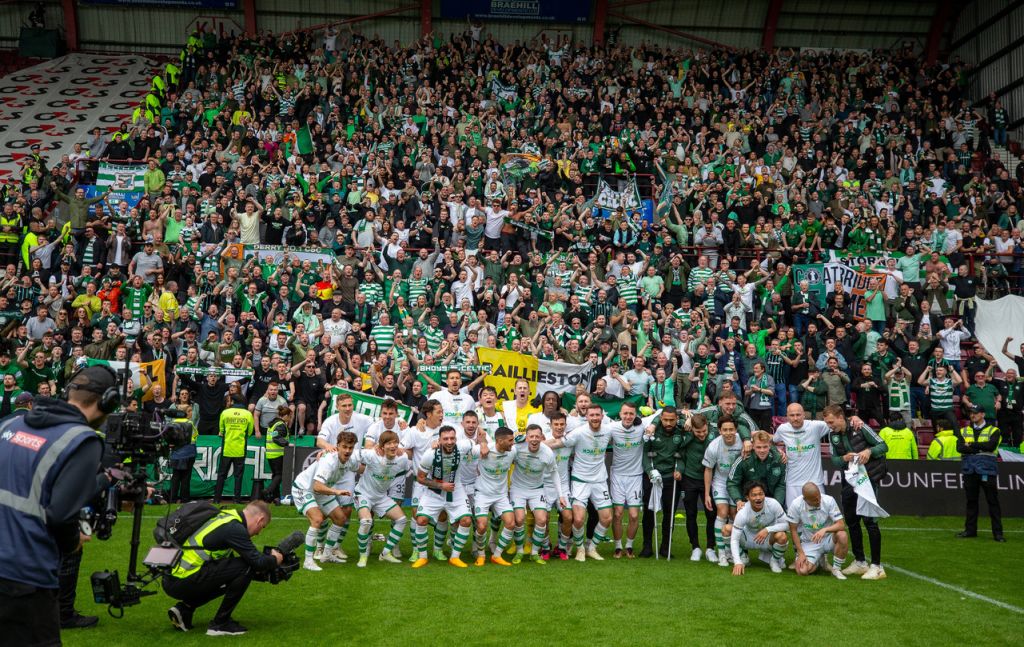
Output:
(219, 560)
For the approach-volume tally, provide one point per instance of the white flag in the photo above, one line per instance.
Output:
(867, 504)
(654, 505)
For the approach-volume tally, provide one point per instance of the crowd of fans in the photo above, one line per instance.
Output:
(759, 161)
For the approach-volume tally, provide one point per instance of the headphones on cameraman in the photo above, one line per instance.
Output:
(110, 397)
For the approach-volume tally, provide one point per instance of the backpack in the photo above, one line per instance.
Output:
(178, 526)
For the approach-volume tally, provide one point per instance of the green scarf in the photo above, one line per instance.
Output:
(437, 472)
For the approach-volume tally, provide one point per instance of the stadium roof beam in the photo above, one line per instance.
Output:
(354, 19)
(943, 11)
(771, 25)
(670, 30)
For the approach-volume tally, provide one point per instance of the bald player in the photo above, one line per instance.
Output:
(799, 440)
(817, 527)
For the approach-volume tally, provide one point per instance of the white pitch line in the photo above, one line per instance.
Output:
(957, 589)
(898, 529)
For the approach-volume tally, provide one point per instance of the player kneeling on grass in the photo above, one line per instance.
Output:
(535, 472)
(817, 526)
(382, 467)
(760, 525)
(316, 494)
(443, 493)
(723, 452)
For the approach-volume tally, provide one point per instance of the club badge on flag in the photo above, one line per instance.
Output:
(867, 503)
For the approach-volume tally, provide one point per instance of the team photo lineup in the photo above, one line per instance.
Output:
(460, 300)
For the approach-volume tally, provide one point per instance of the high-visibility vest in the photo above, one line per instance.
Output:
(194, 555)
(943, 447)
(235, 426)
(14, 222)
(971, 437)
(273, 449)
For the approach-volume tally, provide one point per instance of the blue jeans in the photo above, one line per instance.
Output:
(794, 393)
(878, 326)
(800, 322)
(999, 135)
(918, 402)
(779, 404)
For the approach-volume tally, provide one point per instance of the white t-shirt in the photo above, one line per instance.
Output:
(492, 470)
(810, 520)
(495, 219)
(803, 453)
(535, 470)
(588, 450)
(380, 472)
(721, 457)
(454, 405)
(333, 427)
(328, 469)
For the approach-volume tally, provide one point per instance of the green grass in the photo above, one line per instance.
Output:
(624, 602)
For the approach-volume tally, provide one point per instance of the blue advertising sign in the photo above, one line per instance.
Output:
(115, 198)
(542, 10)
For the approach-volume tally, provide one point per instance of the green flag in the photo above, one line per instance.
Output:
(303, 141)
(366, 404)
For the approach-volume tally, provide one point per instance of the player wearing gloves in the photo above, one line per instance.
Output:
(760, 525)
(660, 456)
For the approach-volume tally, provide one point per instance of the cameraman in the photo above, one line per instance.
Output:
(207, 569)
(51, 456)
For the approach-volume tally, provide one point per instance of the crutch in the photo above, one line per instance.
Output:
(672, 511)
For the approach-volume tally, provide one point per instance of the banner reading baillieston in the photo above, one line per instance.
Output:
(543, 375)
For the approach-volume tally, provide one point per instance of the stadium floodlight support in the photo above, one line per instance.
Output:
(249, 11)
(600, 20)
(70, 24)
(943, 11)
(670, 30)
(771, 25)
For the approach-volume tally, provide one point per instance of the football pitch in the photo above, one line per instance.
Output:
(940, 591)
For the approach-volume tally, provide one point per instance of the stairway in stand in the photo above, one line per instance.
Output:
(1009, 160)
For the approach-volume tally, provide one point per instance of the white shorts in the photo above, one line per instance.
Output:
(596, 493)
(418, 489)
(628, 491)
(535, 499)
(397, 490)
(376, 504)
(432, 505)
(486, 503)
(720, 494)
(748, 542)
(814, 550)
(328, 503)
(551, 496)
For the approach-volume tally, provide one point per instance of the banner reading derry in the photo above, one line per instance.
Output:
(507, 366)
